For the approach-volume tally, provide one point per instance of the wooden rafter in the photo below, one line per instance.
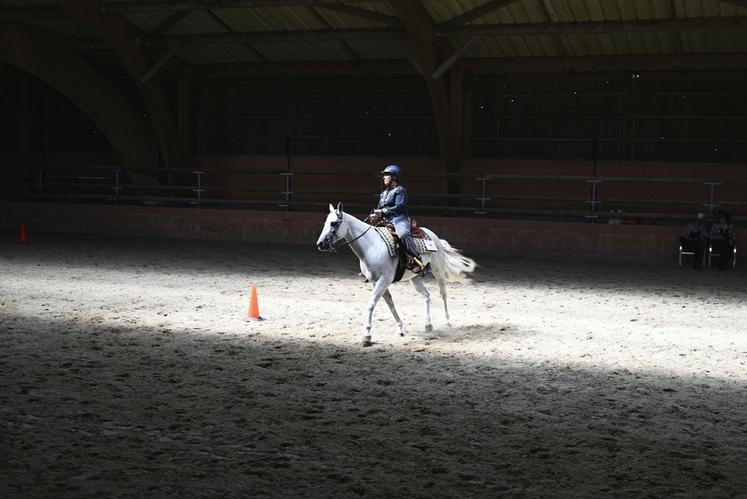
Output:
(561, 28)
(551, 64)
(738, 3)
(453, 58)
(281, 36)
(159, 64)
(31, 13)
(123, 37)
(322, 20)
(166, 5)
(475, 13)
(551, 16)
(367, 14)
(664, 62)
(53, 59)
(582, 28)
(169, 22)
(239, 70)
(680, 38)
(230, 29)
(421, 28)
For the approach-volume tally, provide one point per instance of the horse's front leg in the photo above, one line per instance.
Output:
(389, 301)
(378, 290)
(418, 283)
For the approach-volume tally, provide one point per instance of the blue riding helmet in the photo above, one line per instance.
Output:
(392, 170)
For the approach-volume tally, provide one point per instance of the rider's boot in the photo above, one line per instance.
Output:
(418, 265)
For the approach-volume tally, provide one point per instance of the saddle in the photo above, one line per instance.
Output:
(406, 260)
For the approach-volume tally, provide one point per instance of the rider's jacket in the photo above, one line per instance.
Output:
(394, 203)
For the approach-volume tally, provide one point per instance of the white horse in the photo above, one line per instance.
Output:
(379, 267)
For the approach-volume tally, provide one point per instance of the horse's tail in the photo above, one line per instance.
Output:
(452, 263)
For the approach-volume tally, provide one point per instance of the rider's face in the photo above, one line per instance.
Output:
(387, 180)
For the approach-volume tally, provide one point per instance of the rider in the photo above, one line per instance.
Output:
(393, 208)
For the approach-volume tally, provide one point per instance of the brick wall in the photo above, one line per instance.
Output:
(641, 242)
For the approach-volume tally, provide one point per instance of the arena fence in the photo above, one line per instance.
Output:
(569, 198)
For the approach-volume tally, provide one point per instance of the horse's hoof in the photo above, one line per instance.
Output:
(366, 341)
(429, 327)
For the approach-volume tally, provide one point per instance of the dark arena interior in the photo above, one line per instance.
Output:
(168, 169)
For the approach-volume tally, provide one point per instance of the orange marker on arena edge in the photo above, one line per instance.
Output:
(24, 239)
(253, 314)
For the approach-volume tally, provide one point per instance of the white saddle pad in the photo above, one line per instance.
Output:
(423, 244)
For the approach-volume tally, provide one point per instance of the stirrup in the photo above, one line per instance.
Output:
(420, 265)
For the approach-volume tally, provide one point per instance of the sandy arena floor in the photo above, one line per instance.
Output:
(126, 370)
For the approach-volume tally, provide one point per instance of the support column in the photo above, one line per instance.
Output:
(467, 115)
(418, 23)
(26, 120)
(52, 59)
(127, 41)
(185, 116)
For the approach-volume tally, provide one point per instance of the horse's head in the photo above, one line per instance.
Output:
(332, 230)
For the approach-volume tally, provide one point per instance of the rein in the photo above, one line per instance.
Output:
(348, 243)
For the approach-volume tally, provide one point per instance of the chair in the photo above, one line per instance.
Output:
(682, 252)
(712, 253)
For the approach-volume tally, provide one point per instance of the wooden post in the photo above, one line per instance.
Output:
(184, 116)
(27, 120)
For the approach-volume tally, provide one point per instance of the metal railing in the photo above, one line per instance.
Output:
(480, 194)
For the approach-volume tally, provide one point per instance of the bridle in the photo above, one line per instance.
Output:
(336, 224)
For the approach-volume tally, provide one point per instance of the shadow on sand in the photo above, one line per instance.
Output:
(92, 411)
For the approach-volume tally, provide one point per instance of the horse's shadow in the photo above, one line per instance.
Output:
(471, 332)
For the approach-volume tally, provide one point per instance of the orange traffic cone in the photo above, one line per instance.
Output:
(24, 239)
(253, 314)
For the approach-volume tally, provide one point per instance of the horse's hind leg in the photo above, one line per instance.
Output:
(378, 290)
(442, 288)
(389, 301)
(417, 282)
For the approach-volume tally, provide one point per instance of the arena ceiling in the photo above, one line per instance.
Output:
(67, 42)
(245, 37)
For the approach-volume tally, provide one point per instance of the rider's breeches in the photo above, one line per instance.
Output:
(403, 231)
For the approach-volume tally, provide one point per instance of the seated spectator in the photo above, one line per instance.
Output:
(723, 239)
(694, 239)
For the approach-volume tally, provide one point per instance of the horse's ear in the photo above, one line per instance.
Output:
(331, 208)
(339, 207)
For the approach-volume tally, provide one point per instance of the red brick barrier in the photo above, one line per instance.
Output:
(642, 242)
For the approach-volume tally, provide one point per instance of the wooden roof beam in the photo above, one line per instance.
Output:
(367, 14)
(346, 67)
(169, 22)
(519, 65)
(167, 5)
(475, 13)
(551, 16)
(608, 63)
(230, 29)
(159, 64)
(421, 28)
(583, 28)
(123, 38)
(704, 23)
(32, 13)
(738, 3)
(323, 21)
(454, 57)
(46, 55)
(280, 36)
